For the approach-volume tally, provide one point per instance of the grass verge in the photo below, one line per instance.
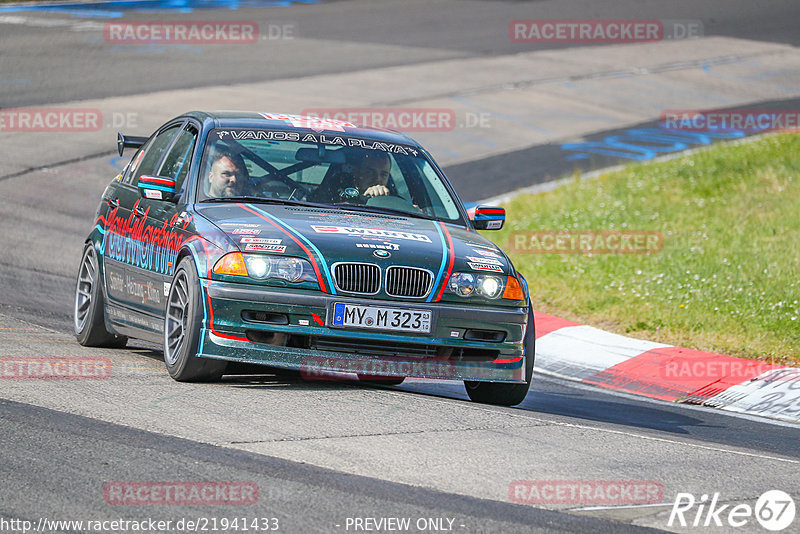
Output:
(727, 279)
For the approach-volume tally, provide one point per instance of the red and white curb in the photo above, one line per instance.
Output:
(592, 356)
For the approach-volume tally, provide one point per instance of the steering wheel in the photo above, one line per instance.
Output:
(391, 201)
(284, 187)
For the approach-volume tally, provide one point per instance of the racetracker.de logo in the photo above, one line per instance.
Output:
(586, 242)
(585, 492)
(602, 31)
(332, 368)
(731, 120)
(403, 119)
(182, 32)
(23, 368)
(180, 493)
(50, 120)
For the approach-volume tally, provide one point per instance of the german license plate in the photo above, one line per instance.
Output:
(376, 318)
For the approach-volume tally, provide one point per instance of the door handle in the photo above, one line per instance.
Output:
(138, 211)
(113, 203)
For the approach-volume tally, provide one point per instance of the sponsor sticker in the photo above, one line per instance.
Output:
(485, 267)
(166, 288)
(492, 261)
(153, 193)
(371, 233)
(381, 246)
(239, 225)
(486, 253)
(261, 240)
(246, 231)
(265, 248)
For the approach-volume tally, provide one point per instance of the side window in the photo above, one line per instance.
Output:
(153, 151)
(130, 170)
(176, 163)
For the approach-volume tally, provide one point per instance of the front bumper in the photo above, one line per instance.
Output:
(293, 329)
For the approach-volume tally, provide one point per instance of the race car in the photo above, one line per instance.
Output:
(306, 244)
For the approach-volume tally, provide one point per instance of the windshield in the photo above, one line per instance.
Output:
(323, 168)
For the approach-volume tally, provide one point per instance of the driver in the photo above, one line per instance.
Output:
(371, 173)
(227, 176)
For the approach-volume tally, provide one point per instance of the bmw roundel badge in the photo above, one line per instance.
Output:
(380, 253)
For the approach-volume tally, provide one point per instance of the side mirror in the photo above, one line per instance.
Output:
(487, 217)
(157, 188)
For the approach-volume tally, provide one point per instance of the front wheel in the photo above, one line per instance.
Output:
(182, 324)
(89, 313)
(507, 394)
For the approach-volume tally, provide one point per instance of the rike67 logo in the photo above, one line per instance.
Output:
(774, 510)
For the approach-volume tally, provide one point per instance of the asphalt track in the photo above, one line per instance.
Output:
(321, 452)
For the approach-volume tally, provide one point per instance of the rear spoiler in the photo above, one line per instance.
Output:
(129, 141)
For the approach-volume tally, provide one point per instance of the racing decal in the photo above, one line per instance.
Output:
(153, 193)
(318, 138)
(246, 231)
(239, 225)
(261, 240)
(134, 242)
(115, 282)
(350, 219)
(486, 253)
(382, 246)
(313, 123)
(485, 267)
(258, 135)
(134, 319)
(448, 258)
(491, 261)
(494, 225)
(371, 232)
(302, 242)
(265, 248)
(167, 285)
(156, 183)
(131, 288)
(183, 220)
(481, 246)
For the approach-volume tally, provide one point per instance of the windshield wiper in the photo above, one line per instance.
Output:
(263, 200)
(388, 211)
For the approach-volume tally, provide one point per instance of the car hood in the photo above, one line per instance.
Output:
(334, 235)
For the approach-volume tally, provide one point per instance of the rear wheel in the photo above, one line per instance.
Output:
(507, 394)
(89, 313)
(182, 323)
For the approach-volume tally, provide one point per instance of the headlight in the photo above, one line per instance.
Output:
(469, 284)
(489, 286)
(266, 267)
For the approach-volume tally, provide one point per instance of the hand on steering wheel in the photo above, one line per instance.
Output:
(376, 191)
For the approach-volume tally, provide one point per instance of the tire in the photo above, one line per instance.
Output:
(507, 394)
(382, 380)
(89, 310)
(183, 319)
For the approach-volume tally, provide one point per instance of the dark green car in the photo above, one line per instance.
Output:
(305, 244)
